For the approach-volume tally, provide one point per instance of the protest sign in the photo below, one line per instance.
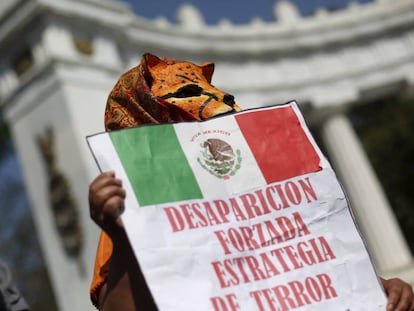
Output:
(240, 212)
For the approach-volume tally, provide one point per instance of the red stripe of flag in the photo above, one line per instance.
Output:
(279, 144)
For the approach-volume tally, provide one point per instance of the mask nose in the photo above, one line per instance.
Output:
(229, 100)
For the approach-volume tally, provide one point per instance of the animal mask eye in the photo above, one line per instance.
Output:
(190, 90)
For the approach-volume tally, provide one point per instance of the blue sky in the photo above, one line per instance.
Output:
(238, 11)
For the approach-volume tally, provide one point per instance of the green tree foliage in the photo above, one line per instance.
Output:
(4, 137)
(386, 130)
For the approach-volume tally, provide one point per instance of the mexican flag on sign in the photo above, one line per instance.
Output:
(240, 212)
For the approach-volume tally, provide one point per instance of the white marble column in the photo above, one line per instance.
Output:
(375, 217)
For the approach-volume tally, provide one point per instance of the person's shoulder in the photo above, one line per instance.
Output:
(10, 297)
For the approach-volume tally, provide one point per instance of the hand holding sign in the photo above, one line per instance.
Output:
(106, 201)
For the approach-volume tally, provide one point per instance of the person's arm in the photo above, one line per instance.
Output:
(400, 295)
(125, 288)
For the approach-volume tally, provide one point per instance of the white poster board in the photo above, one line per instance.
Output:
(241, 212)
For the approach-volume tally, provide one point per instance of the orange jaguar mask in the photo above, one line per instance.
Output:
(165, 90)
(188, 86)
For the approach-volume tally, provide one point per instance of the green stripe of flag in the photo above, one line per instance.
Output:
(155, 164)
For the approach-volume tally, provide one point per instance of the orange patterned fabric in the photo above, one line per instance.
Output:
(131, 102)
(100, 272)
(157, 91)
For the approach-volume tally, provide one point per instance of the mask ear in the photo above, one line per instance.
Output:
(208, 69)
(148, 62)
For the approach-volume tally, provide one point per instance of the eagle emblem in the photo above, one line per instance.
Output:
(219, 158)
